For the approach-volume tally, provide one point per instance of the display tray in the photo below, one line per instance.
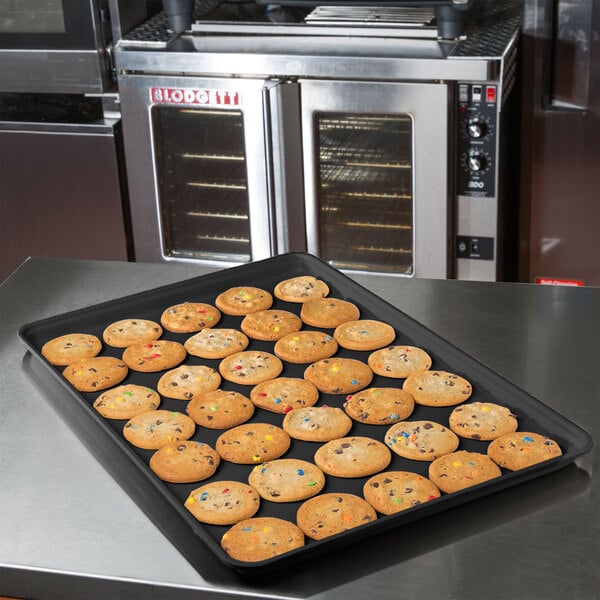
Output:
(164, 502)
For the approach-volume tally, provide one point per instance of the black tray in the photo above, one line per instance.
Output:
(164, 502)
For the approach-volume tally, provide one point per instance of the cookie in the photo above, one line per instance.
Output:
(188, 317)
(125, 332)
(317, 423)
(353, 457)
(339, 375)
(261, 538)
(243, 300)
(252, 443)
(185, 462)
(220, 409)
(270, 325)
(126, 401)
(327, 514)
(287, 480)
(151, 357)
(437, 388)
(482, 421)
(283, 394)
(188, 381)
(459, 470)
(67, 349)
(96, 373)
(223, 502)
(305, 347)
(250, 367)
(156, 428)
(399, 361)
(328, 313)
(301, 289)
(364, 334)
(379, 406)
(514, 451)
(216, 343)
(421, 440)
(394, 491)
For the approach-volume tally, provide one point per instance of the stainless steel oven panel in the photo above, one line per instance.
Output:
(141, 153)
(427, 106)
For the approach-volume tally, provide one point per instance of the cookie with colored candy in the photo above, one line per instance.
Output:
(482, 421)
(379, 406)
(287, 480)
(399, 361)
(156, 428)
(223, 502)
(125, 332)
(252, 443)
(220, 409)
(327, 514)
(151, 357)
(462, 469)
(216, 343)
(96, 373)
(437, 388)
(364, 334)
(304, 347)
(187, 381)
(283, 394)
(301, 289)
(126, 401)
(250, 367)
(328, 313)
(185, 462)
(270, 325)
(354, 456)
(339, 375)
(521, 449)
(67, 349)
(393, 491)
(421, 440)
(317, 423)
(188, 317)
(243, 300)
(261, 538)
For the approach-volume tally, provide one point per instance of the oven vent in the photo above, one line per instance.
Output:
(372, 16)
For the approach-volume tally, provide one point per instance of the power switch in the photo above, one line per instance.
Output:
(480, 248)
(490, 94)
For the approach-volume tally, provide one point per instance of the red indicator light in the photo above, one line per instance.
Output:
(490, 93)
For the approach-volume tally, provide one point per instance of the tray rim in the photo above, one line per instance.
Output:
(446, 501)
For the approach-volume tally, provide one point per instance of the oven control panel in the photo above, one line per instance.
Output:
(477, 124)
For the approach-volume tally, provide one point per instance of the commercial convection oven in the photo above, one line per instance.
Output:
(355, 133)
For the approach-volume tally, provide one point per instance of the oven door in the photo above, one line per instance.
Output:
(197, 168)
(376, 176)
(54, 46)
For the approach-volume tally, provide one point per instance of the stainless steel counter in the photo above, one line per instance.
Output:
(68, 530)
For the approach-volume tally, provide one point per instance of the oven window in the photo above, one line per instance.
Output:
(47, 25)
(203, 183)
(31, 16)
(365, 191)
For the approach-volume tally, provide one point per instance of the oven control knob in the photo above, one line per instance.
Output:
(476, 162)
(476, 129)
